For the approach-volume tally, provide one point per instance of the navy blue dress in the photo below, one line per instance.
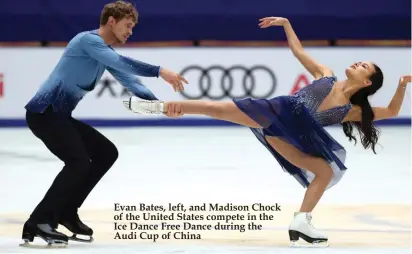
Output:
(295, 119)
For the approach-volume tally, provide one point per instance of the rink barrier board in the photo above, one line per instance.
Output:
(274, 70)
(186, 122)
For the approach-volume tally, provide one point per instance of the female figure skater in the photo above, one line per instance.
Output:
(292, 127)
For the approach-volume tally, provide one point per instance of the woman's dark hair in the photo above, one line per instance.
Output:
(367, 131)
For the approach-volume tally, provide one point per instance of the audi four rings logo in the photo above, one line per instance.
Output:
(217, 82)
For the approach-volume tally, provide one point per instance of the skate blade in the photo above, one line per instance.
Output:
(309, 245)
(57, 245)
(50, 243)
(77, 239)
(126, 105)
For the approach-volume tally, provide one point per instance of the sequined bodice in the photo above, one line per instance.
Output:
(314, 94)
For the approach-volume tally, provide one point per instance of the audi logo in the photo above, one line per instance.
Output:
(217, 82)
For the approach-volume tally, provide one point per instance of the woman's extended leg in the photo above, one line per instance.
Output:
(221, 110)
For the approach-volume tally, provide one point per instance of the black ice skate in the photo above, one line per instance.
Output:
(77, 227)
(45, 232)
(301, 227)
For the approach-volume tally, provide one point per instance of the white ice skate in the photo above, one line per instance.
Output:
(301, 227)
(145, 107)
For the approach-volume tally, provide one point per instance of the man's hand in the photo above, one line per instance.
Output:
(173, 78)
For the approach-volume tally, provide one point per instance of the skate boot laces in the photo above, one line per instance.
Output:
(309, 220)
(151, 107)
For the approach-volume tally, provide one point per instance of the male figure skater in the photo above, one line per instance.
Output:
(86, 153)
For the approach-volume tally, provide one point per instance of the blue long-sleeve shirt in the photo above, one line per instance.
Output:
(81, 66)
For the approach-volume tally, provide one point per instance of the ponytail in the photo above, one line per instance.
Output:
(368, 132)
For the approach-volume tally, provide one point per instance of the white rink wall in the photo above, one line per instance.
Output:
(279, 73)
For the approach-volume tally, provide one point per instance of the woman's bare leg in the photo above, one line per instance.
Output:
(323, 172)
(222, 110)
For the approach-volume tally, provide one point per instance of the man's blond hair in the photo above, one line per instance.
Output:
(118, 10)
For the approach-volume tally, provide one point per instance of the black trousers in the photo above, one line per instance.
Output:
(87, 156)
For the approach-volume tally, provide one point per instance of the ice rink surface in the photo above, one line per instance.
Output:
(369, 211)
